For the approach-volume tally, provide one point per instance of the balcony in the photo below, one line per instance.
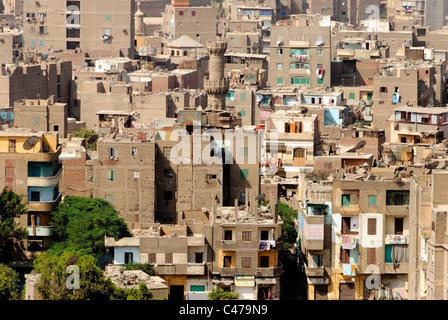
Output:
(225, 271)
(196, 241)
(314, 271)
(43, 231)
(270, 272)
(46, 206)
(229, 245)
(350, 210)
(299, 58)
(45, 181)
(195, 268)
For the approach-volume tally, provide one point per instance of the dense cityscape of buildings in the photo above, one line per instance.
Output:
(337, 108)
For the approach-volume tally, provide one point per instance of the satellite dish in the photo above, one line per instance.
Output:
(360, 144)
(432, 165)
(92, 139)
(30, 142)
(104, 260)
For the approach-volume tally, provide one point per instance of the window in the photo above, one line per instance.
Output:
(36, 120)
(372, 200)
(109, 198)
(397, 198)
(167, 151)
(345, 200)
(228, 235)
(279, 51)
(351, 95)
(246, 262)
(299, 153)
(111, 174)
(152, 258)
(383, 89)
(198, 257)
(12, 145)
(55, 127)
(317, 260)
(371, 226)
(264, 262)
(168, 258)
(345, 255)
(107, 17)
(244, 152)
(264, 235)
(279, 66)
(320, 52)
(299, 80)
(227, 261)
(345, 229)
(279, 80)
(242, 96)
(135, 174)
(43, 30)
(128, 257)
(112, 152)
(133, 151)
(193, 13)
(244, 173)
(247, 236)
(399, 226)
(167, 195)
(181, 13)
(209, 176)
(371, 256)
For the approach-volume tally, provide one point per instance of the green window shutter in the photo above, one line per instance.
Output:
(197, 288)
(243, 96)
(107, 17)
(345, 200)
(244, 173)
(109, 174)
(109, 198)
(372, 200)
(242, 113)
(279, 80)
(388, 253)
(351, 95)
(320, 81)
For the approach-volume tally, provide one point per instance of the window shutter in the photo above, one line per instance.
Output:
(371, 227)
(371, 256)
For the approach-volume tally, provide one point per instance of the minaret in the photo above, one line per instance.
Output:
(216, 85)
(138, 20)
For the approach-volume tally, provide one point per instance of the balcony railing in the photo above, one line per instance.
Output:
(44, 205)
(45, 181)
(43, 231)
(270, 272)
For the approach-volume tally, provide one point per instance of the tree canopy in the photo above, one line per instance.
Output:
(288, 214)
(93, 284)
(9, 283)
(11, 235)
(81, 223)
(219, 294)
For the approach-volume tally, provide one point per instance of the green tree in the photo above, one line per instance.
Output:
(142, 293)
(93, 284)
(219, 294)
(9, 283)
(289, 233)
(81, 223)
(90, 135)
(145, 267)
(11, 235)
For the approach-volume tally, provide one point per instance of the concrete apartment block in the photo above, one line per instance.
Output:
(98, 27)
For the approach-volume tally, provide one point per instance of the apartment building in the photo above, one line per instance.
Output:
(179, 254)
(42, 115)
(30, 160)
(35, 81)
(10, 46)
(155, 8)
(300, 53)
(198, 23)
(413, 10)
(124, 175)
(98, 27)
(351, 11)
(369, 233)
(294, 135)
